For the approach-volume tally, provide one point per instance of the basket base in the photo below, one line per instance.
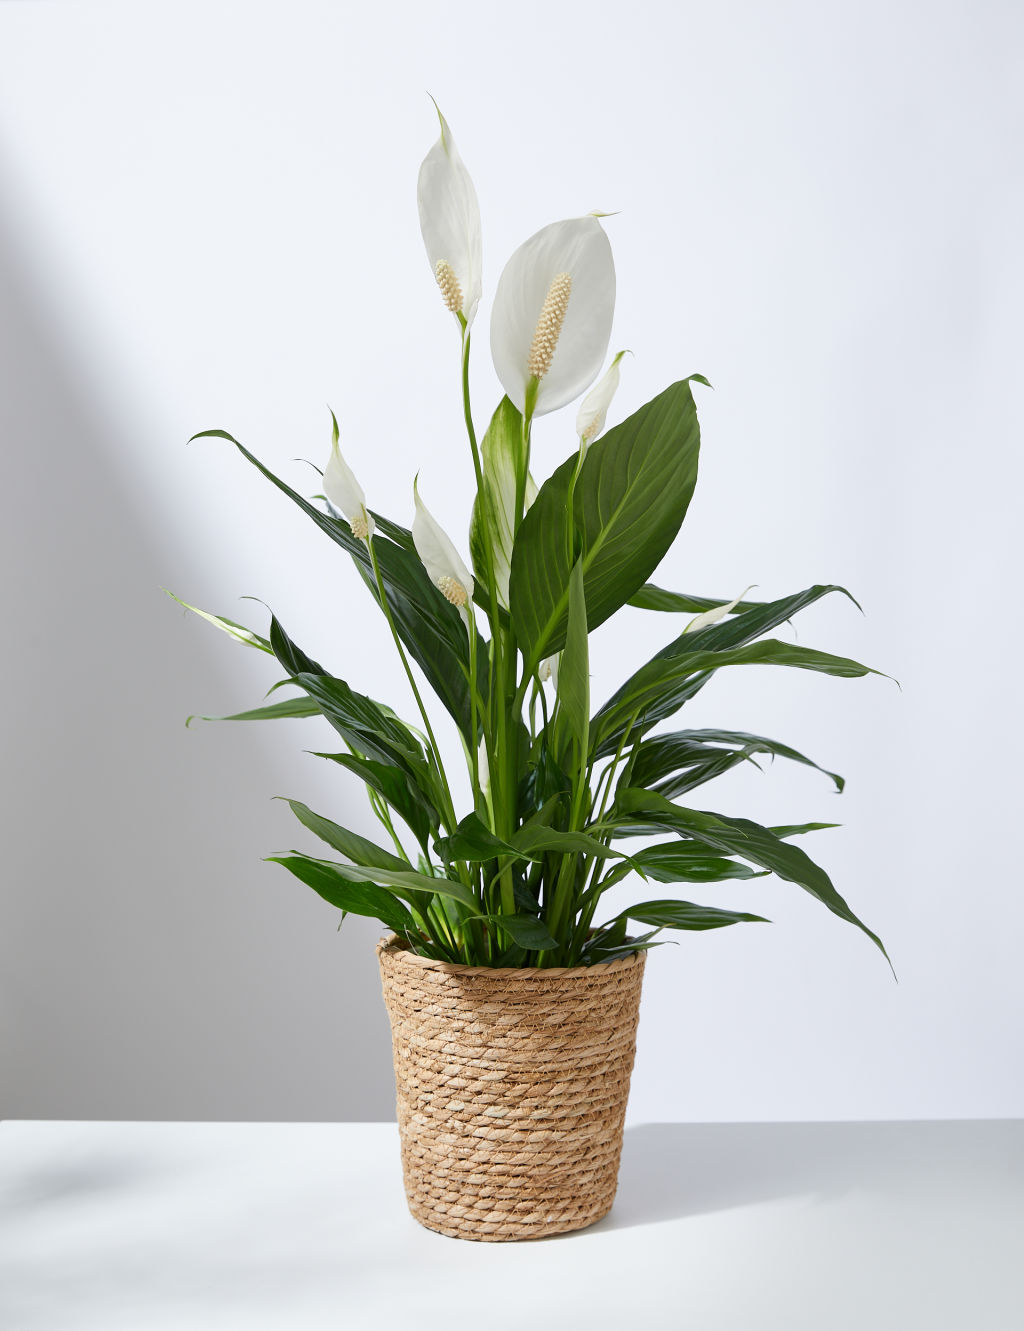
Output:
(478, 1231)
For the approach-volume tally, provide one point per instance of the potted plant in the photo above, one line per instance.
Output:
(513, 992)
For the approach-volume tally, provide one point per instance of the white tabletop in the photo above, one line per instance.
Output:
(296, 1227)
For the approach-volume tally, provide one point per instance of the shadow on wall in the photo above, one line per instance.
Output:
(150, 965)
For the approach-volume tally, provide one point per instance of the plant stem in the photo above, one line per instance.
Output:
(449, 813)
(467, 409)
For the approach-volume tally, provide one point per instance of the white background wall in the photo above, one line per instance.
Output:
(208, 219)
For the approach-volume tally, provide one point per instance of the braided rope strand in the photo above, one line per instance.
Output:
(511, 1090)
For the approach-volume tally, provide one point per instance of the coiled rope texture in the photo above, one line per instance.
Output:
(512, 1089)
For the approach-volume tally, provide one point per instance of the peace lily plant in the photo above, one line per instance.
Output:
(565, 801)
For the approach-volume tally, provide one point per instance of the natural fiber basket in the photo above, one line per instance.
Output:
(512, 1088)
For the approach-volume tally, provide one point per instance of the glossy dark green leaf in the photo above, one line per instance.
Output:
(629, 501)
(394, 786)
(673, 765)
(371, 729)
(754, 744)
(291, 656)
(544, 782)
(678, 686)
(405, 880)
(750, 841)
(533, 841)
(356, 897)
(690, 862)
(597, 949)
(357, 848)
(798, 829)
(428, 625)
(471, 841)
(430, 628)
(527, 931)
(650, 597)
(687, 915)
(664, 683)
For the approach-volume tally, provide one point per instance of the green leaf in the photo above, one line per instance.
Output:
(366, 725)
(237, 631)
(293, 658)
(686, 915)
(679, 686)
(472, 840)
(664, 683)
(427, 624)
(404, 881)
(492, 525)
(650, 597)
(430, 628)
(742, 628)
(544, 783)
(755, 744)
(598, 948)
(373, 731)
(573, 718)
(395, 787)
(798, 829)
(672, 764)
(290, 707)
(356, 897)
(739, 836)
(628, 504)
(526, 930)
(689, 862)
(358, 849)
(533, 842)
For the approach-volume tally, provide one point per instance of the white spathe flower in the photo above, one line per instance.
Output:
(548, 669)
(450, 223)
(552, 314)
(702, 621)
(590, 418)
(441, 559)
(483, 769)
(343, 492)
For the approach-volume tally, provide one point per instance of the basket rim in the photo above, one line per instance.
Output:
(397, 949)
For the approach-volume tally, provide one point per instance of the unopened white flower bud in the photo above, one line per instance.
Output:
(710, 617)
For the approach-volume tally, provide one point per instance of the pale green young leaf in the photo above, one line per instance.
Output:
(493, 522)
(237, 631)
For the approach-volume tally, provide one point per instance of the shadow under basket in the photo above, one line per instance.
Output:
(512, 1089)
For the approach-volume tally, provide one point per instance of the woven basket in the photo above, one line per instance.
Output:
(512, 1088)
